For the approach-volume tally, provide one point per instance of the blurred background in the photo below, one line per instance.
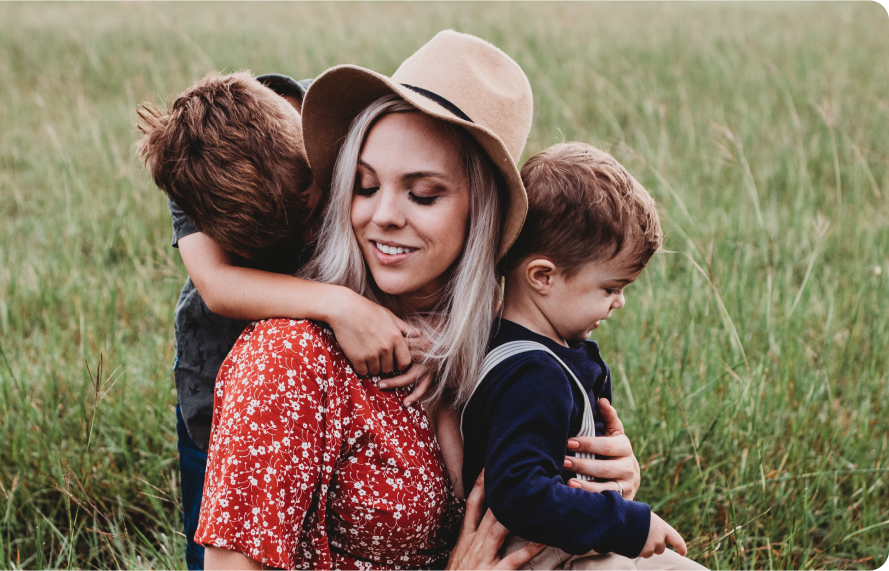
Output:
(749, 365)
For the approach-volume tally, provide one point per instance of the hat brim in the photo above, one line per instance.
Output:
(338, 95)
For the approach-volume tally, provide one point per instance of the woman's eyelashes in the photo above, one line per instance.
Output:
(423, 200)
(361, 190)
(425, 194)
(368, 189)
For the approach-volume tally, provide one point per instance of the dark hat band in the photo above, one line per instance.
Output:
(441, 101)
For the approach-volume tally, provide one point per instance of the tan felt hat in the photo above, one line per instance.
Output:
(455, 77)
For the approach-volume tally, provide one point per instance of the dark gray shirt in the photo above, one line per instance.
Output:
(204, 338)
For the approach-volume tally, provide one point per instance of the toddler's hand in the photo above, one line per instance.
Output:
(371, 336)
(660, 534)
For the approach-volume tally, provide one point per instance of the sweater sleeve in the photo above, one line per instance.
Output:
(530, 419)
(276, 436)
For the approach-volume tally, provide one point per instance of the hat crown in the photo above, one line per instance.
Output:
(457, 78)
(478, 78)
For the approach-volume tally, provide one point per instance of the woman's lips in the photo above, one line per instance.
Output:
(389, 254)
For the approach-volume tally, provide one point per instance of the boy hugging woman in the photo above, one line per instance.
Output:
(229, 153)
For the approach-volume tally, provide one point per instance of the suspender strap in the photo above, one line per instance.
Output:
(507, 350)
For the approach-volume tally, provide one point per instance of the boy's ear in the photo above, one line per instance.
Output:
(295, 102)
(540, 274)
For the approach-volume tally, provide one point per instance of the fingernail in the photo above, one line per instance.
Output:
(572, 444)
(383, 385)
(574, 484)
(567, 463)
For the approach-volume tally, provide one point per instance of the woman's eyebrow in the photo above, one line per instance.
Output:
(410, 175)
(424, 174)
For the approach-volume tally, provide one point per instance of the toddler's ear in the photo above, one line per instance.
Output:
(540, 274)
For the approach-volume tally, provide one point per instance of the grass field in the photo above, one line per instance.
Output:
(750, 363)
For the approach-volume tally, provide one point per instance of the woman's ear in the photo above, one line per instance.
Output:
(540, 274)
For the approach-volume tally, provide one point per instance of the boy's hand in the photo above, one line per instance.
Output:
(661, 534)
(418, 374)
(371, 336)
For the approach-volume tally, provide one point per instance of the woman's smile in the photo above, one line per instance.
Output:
(391, 250)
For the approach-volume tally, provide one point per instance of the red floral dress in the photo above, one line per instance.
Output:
(311, 466)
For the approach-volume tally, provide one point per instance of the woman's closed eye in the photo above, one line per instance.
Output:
(423, 200)
(365, 190)
(425, 194)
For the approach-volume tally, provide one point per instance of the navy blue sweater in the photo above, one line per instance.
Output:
(517, 425)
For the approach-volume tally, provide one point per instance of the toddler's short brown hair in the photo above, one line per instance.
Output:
(232, 158)
(583, 206)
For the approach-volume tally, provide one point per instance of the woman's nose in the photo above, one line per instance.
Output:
(388, 210)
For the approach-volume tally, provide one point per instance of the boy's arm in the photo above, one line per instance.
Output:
(529, 425)
(371, 336)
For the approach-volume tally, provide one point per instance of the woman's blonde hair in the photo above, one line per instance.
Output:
(460, 324)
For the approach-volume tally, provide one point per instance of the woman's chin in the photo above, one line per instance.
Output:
(420, 296)
(390, 282)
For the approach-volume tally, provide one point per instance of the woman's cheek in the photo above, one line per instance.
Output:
(451, 231)
(360, 216)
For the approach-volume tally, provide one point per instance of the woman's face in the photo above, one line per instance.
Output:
(410, 210)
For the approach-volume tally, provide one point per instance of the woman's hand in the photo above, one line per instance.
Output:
(482, 537)
(619, 464)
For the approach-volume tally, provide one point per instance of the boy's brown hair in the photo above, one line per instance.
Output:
(583, 206)
(229, 155)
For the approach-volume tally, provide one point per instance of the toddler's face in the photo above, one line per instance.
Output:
(580, 303)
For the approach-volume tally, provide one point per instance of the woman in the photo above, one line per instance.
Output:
(310, 465)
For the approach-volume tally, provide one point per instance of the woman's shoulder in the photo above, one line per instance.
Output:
(269, 348)
(286, 336)
(281, 362)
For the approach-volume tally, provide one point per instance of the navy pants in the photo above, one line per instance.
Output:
(192, 469)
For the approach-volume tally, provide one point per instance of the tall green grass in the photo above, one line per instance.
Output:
(750, 363)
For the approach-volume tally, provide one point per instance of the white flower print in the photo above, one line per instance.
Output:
(297, 417)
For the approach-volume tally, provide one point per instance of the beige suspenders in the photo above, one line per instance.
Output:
(507, 350)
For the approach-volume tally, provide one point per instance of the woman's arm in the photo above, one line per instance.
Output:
(218, 558)
(273, 445)
(371, 336)
(620, 464)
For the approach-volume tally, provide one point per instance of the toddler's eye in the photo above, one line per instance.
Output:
(612, 291)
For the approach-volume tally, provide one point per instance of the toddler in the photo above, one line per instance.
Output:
(591, 230)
